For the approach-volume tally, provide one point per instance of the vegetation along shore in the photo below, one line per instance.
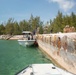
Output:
(12, 27)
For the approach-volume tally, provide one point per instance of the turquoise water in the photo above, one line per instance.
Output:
(14, 57)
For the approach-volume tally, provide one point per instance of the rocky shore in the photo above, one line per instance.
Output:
(10, 37)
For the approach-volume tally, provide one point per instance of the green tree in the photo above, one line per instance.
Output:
(35, 22)
(24, 25)
(61, 21)
(9, 27)
(2, 29)
(16, 29)
(73, 19)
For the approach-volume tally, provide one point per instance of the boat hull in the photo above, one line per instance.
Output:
(26, 42)
(43, 69)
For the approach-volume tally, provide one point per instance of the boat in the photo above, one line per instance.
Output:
(43, 69)
(28, 39)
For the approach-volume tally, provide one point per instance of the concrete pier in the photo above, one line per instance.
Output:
(61, 48)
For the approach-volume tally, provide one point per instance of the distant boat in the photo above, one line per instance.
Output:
(27, 40)
(43, 69)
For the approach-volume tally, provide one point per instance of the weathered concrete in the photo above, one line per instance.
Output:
(61, 48)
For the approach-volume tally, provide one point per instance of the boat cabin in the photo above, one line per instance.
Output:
(28, 35)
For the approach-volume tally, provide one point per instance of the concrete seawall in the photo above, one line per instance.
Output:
(61, 48)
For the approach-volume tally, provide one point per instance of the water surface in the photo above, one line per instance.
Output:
(14, 57)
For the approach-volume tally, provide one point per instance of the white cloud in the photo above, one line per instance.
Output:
(64, 4)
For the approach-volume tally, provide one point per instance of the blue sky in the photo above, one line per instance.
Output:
(46, 9)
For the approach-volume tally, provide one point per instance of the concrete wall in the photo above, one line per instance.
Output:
(62, 47)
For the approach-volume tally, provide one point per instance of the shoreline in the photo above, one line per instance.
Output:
(11, 37)
(16, 37)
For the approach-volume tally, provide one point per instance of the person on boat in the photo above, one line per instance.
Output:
(29, 36)
(34, 31)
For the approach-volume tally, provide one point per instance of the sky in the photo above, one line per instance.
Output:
(45, 9)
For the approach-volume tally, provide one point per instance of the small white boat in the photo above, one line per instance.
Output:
(27, 40)
(43, 69)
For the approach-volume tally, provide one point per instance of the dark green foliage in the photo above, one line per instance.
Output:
(61, 21)
(9, 28)
(41, 29)
(2, 29)
(24, 26)
(35, 22)
(73, 19)
(14, 28)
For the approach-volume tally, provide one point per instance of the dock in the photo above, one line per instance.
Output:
(61, 49)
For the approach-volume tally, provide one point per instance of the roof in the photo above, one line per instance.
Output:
(45, 69)
(48, 69)
(26, 32)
